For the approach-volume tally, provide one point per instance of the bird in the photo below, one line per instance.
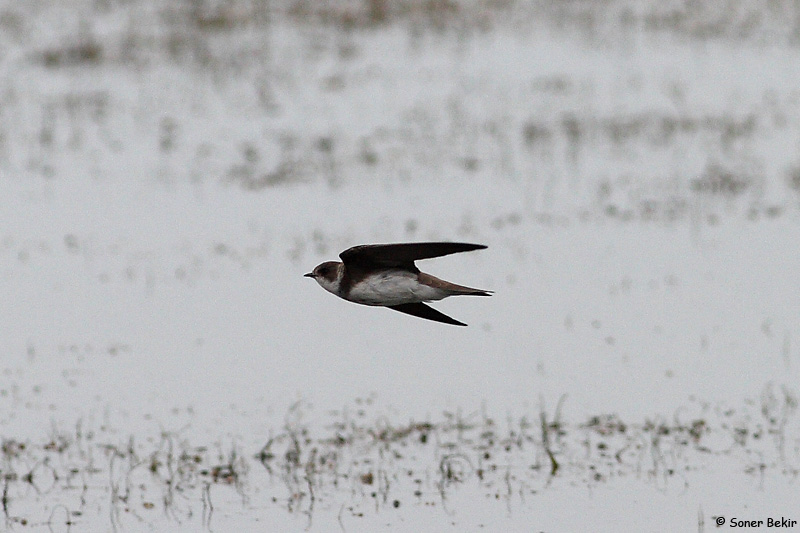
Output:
(385, 275)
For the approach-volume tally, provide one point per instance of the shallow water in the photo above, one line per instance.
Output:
(169, 173)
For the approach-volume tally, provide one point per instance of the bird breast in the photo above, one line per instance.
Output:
(393, 287)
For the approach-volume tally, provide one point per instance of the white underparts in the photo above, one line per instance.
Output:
(394, 287)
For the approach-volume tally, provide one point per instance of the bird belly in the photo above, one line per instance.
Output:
(393, 288)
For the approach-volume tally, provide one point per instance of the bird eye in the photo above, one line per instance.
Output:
(323, 270)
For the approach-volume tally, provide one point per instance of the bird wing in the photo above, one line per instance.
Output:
(401, 255)
(423, 311)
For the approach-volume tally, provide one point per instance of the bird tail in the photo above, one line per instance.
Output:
(476, 292)
(452, 288)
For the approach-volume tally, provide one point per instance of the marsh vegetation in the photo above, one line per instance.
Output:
(169, 171)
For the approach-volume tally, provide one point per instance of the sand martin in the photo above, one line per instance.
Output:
(385, 275)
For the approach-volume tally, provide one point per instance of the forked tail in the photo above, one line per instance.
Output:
(452, 288)
(476, 292)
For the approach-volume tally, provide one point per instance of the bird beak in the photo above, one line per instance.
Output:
(309, 275)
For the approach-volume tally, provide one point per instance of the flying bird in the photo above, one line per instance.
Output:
(385, 275)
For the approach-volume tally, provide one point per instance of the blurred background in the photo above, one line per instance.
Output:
(170, 170)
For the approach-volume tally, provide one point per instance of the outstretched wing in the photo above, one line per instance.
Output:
(423, 311)
(401, 255)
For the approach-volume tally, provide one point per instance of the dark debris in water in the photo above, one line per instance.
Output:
(363, 460)
(718, 181)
